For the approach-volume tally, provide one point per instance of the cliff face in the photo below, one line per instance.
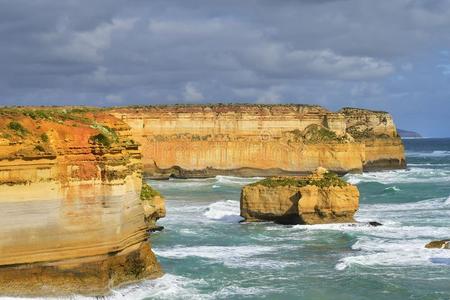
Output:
(71, 218)
(315, 199)
(265, 140)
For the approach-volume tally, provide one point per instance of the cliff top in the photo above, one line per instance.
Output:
(356, 110)
(242, 107)
(320, 178)
(34, 132)
(186, 107)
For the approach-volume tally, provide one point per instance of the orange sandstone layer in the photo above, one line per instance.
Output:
(71, 217)
(261, 140)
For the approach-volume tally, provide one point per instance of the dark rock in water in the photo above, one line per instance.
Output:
(156, 228)
(375, 224)
(444, 244)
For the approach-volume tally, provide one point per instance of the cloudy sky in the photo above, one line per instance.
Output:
(391, 55)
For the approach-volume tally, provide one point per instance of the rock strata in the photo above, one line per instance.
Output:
(71, 217)
(261, 140)
(316, 199)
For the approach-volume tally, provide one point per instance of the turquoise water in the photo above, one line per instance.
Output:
(207, 254)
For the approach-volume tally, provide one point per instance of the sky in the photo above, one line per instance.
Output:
(391, 55)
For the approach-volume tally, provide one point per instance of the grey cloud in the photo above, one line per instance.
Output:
(335, 53)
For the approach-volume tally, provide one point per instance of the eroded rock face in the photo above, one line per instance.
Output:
(444, 244)
(261, 140)
(154, 206)
(71, 217)
(315, 199)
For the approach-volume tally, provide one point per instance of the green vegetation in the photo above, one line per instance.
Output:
(318, 134)
(147, 192)
(17, 127)
(6, 136)
(360, 133)
(44, 137)
(329, 179)
(55, 114)
(106, 137)
(39, 148)
(101, 139)
(109, 132)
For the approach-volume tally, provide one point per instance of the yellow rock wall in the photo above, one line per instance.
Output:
(202, 140)
(71, 218)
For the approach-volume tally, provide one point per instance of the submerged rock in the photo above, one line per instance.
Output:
(444, 244)
(320, 198)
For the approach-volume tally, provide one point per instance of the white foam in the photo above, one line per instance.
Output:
(233, 290)
(167, 287)
(412, 175)
(393, 188)
(389, 230)
(181, 183)
(230, 256)
(436, 153)
(231, 180)
(429, 204)
(227, 211)
(447, 202)
(380, 252)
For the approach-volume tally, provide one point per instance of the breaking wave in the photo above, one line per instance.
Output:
(436, 153)
(412, 175)
(227, 211)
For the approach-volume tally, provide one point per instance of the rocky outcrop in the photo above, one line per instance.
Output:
(154, 206)
(71, 217)
(319, 198)
(261, 140)
(443, 244)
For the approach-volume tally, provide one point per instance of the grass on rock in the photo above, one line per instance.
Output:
(147, 192)
(329, 179)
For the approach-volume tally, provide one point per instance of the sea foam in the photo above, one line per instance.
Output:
(412, 175)
(227, 211)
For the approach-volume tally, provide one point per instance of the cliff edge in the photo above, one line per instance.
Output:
(71, 217)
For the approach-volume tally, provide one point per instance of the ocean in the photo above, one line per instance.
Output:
(207, 254)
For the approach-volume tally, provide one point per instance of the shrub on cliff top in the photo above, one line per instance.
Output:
(101, 139)
(17, 127)
(328, 179)
(44, 137)
(147, 192)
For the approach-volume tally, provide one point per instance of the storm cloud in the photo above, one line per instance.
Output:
(390, 55)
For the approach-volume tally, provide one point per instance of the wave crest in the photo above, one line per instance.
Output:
(227, 211)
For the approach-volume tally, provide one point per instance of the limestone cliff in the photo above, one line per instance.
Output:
(319, 198)
(261, 140)
(71, 217)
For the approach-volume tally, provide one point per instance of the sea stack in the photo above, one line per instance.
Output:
(319, 198)
(71, 217)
